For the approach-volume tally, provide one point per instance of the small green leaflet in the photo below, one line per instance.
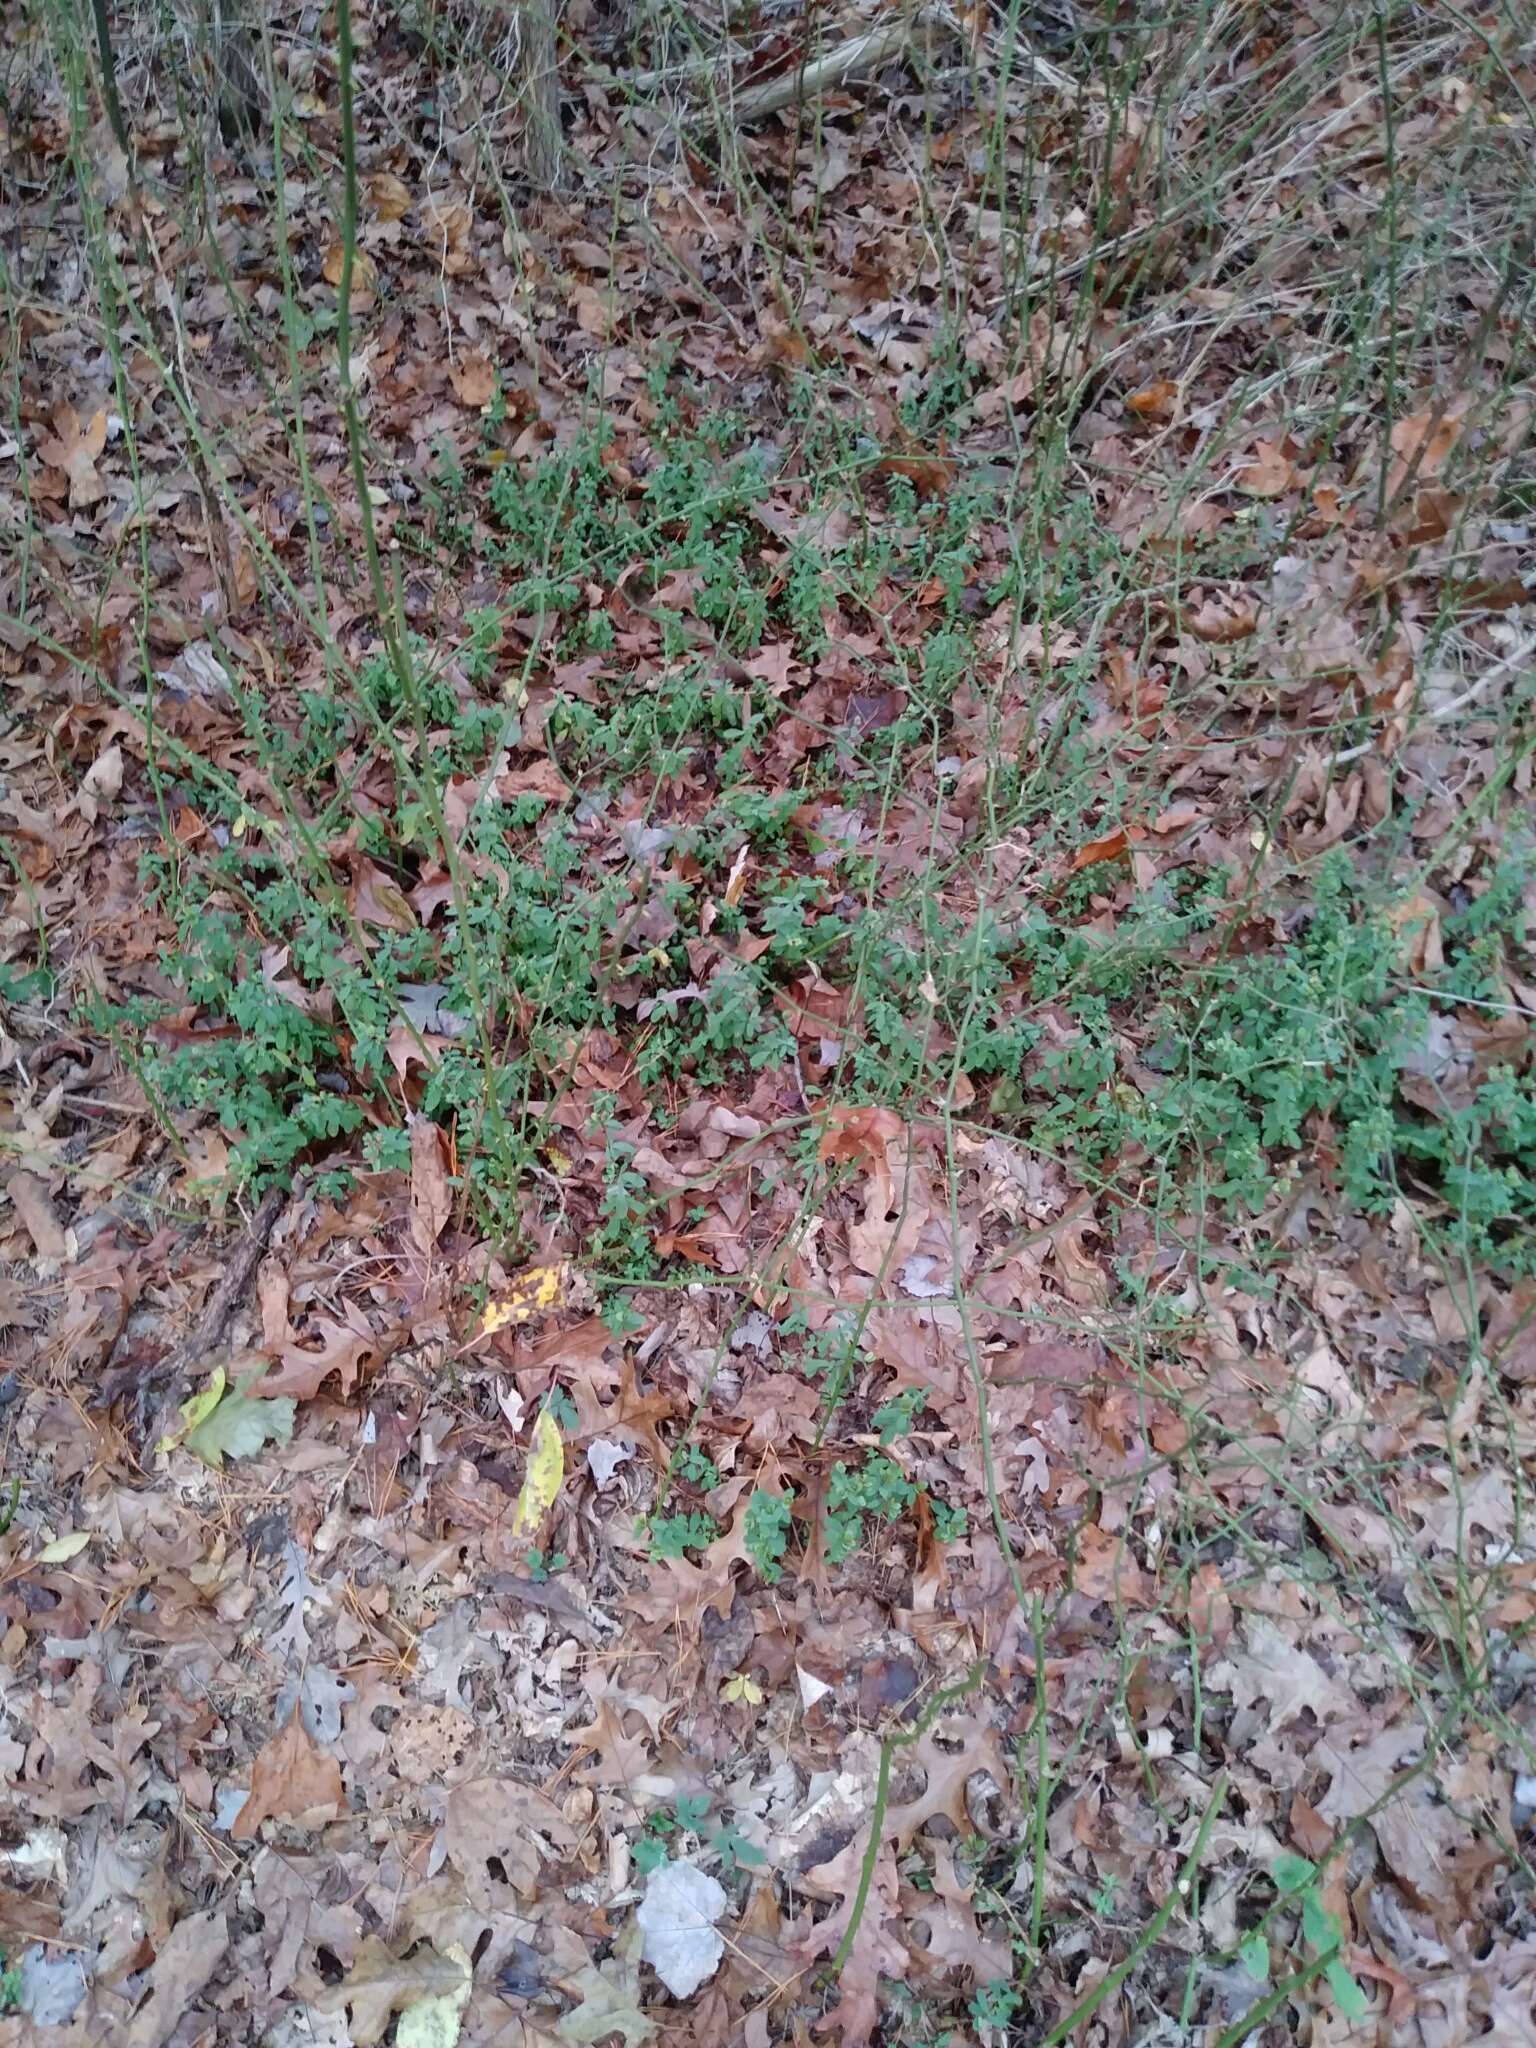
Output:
(1291, 1873)
(225, 1422)
(1254, 1951)
(1347, 1994)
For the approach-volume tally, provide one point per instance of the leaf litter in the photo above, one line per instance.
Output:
(990, 1131)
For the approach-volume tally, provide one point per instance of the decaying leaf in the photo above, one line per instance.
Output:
(434, 2022)
(608, 1996)
(291, 1777)
(431, 1195)
(677, 1917)
(533, 1293)
(541, 1482)
(380, 1984)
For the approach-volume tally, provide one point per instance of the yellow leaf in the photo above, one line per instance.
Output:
(531, 1293)
(63, 1548)
(541, 1482)
(197, 1410)
(743, 1689)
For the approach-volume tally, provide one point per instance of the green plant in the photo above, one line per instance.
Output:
(1322, 1929)
(694, 1465)
(878, 1487)
(767, 1532)
(996, 2004)
(541, 1563)
(672, 1535)
(690, 1815)
(894, 1418)
(10, 1986)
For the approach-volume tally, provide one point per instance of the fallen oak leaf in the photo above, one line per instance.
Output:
(291, 1777)
(74, 449)
(300, 1372)
(609, 1995)
(379, 1985)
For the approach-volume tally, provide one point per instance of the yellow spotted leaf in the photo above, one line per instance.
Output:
(541, 1482)
(531, 1294)
(743, 1689)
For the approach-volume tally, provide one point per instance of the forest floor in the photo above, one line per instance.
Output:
(768, 1217)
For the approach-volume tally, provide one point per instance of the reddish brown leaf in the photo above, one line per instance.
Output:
(1110, 847)
(290, 1778)
(1154, 401)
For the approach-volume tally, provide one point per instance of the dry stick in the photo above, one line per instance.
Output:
(1469, 696)
(236, 1278)
(862, 54)
(221, 1305)
(851, 59)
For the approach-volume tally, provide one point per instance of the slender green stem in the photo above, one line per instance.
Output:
(1177, 1897)
(888, 1749)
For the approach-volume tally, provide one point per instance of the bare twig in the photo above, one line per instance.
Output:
(854, 58)
(1468, 697)
(236, 1278)
(172, 1374)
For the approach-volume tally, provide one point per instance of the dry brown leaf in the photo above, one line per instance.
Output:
(502, 1818)
(1271, 472)
(375, 899)
(1221, 621)
(365, 275)
(301, 1372)
(34, 1205)
(291, 1777)
(948, 1771)
(473, 378)
(1154, 401)
(431, 1195)
(1422, 444)
(74, 449)
(876, 1952)
(1106, 1570)
(186, 1960)
(1110, 847)
(389, 196)
(380, 1984)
